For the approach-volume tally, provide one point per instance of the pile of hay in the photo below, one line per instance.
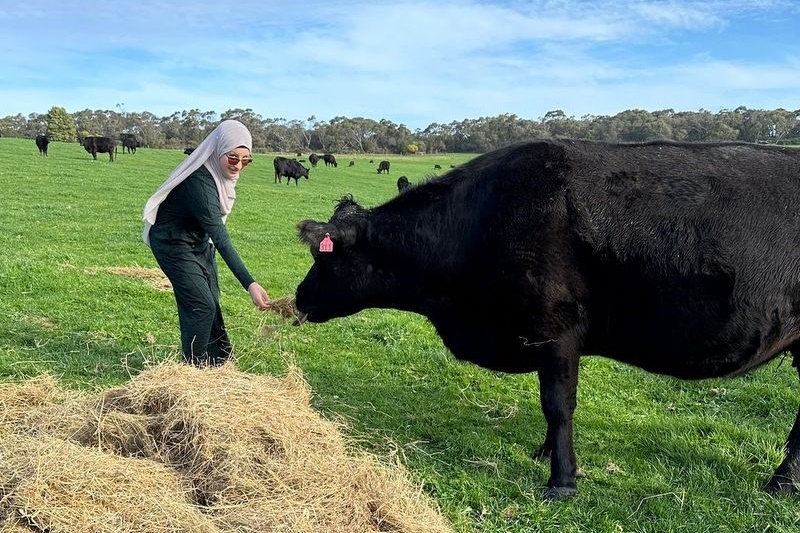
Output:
(185, 449)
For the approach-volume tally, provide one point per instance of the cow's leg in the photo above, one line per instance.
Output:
(546, 449)
(558, 378)
(786, 479)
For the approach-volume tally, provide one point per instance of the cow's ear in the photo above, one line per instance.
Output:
(311, 232)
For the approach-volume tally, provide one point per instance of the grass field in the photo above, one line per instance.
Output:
(660, 455)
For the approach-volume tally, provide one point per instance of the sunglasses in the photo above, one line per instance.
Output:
(234, 159)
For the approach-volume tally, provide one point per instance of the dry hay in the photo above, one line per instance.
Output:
(185, 449)
(285, 307)
(154, 277)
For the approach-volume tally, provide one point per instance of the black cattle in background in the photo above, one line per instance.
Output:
(330, 160)
(313, 159)
(41, 143)
(95, 144)
(352, 164)
(188, 151)
(290, 168)
(129, 143)
(402, 184)
(679, 258)
(383, 166)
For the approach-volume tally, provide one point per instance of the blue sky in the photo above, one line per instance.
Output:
(414, 63)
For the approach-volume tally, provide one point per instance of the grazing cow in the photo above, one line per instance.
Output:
(94, 144)
(290, 168)
(188, 151)
(330, 160)
(679, 258)
(41, 143)
(352, 164)
(130, 143)
(383, 166)
(313, 159)
(402, 184)
(437, 167)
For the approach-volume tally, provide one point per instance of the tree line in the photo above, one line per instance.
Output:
(185, 129)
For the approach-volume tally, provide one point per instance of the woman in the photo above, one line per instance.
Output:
(184, 225)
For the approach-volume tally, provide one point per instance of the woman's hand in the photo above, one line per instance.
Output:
(259, 296)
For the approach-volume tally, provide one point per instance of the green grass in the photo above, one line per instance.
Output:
(660, 455)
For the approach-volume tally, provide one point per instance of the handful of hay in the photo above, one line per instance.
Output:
(185, 449)
(287, 308)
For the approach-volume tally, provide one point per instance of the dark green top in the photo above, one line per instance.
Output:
(190, 216)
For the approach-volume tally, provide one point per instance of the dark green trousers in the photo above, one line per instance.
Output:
(192, 270)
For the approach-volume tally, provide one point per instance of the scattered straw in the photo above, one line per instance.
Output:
(185, 449)
(154, 277)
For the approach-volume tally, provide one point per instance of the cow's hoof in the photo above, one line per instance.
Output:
(559, 493)
(781, 486)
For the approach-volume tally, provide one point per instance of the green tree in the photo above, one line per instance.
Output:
(60, 125)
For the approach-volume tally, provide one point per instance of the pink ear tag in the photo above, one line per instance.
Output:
(326, 244)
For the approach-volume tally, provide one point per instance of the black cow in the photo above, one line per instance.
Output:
(437, 167)
(94, 144)
(330, 160)
(313, 159)
(41, 143)
(681, 259)
(130, 143)
(383, 166)
(402, 183)
(188, 151)
(290, 168)
(352, 164)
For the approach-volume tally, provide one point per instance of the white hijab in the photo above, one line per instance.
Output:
(230, 134)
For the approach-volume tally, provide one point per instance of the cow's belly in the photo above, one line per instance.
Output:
(689, 339)
(489, 344)
(692, 350)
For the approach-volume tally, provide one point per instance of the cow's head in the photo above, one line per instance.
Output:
(346, 276)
